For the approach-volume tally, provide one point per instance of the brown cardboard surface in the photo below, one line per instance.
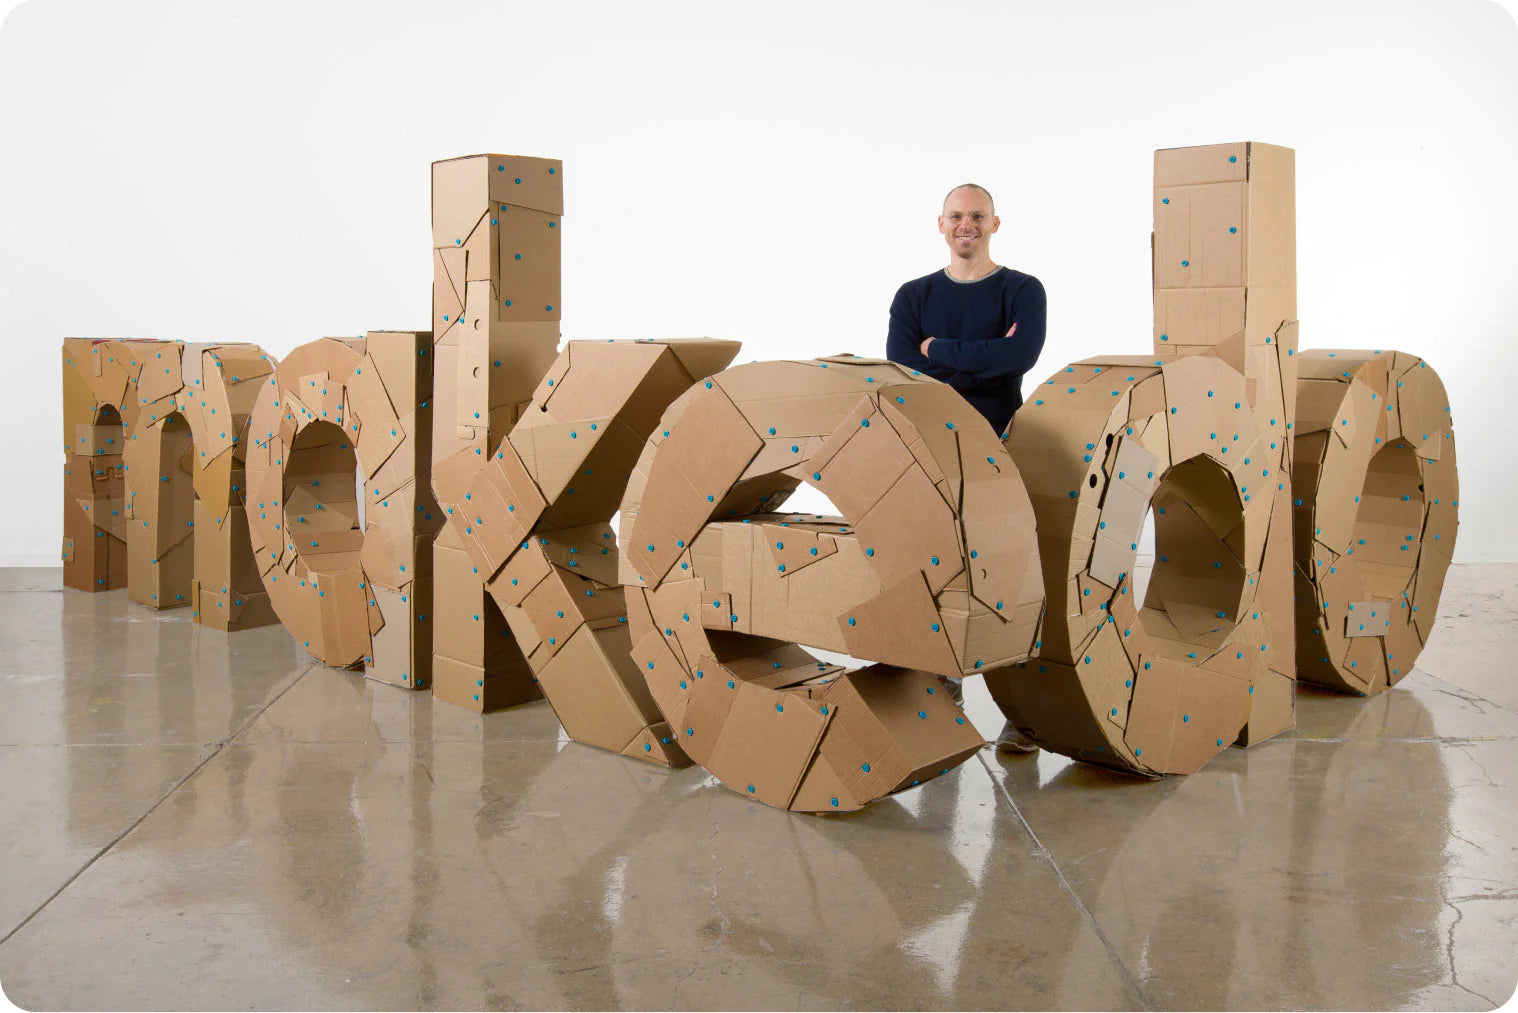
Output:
(533, 515)
(1189, 443)
(1207, 163)
(1366, 486)
(488, 357)
(179, 421)
(720, 617)
(301, 481)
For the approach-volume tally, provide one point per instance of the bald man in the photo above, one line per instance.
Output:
(976, 326)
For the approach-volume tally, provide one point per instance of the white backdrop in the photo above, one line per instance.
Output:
(763, 171)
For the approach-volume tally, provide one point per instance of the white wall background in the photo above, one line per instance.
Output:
(762, 171)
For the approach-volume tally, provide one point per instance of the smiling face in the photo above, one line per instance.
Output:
(968, 222)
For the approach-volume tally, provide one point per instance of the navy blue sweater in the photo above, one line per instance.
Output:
(970, 319)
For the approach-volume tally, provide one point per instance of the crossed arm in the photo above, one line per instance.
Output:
(969, 365)
(998, 359)
(904, 344)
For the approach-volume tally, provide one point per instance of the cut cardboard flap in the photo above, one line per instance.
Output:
(709, 448)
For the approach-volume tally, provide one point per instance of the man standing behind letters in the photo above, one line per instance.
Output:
(976, 326)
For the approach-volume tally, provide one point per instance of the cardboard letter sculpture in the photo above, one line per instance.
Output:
(187, 536)
(932, 567)
(160, 423)
(1203, 432)
(1376, 513)
(534, 517)
(496, 227)
(97, 409)
(1304, 508)
(348, 580)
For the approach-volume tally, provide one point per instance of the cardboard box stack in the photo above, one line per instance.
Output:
(351, 581)
(496, 227)
(534, 520)
(187, 535)
(1376, 514)
(1201, 432)
(933, 567)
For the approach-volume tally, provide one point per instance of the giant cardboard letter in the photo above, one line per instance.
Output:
(1201, 431)
(349, 581)
(932, 568)
(496, 227)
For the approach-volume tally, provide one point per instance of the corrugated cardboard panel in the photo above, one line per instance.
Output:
(860, 461)
(1124, 506)
(1272, 252)
(580, 673)
(481, 254)
(529, 245)
(447, 291)
(932, 419)
(554, 453)
(459, 196)
(499, 509)
(1423, 410)
(930, 545)
(1368, 618)
(1272, 708)
(471, 369)
(588, 550)
(999, 528)
(928, 729)
(709, 447)
(794, 549)
(1214, 217)
(822, 789)
(1196, 316)
(1206, 163)
(896, 627)
(160, 376)
(1044, 701)
(525, 181)
(767, 744)
(702, 357)
(658, 744)
(373, 405)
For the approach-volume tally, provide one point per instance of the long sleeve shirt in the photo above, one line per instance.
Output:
(969, 321)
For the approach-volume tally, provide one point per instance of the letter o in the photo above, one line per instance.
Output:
(1158, 687)
(1376, 512)
(351, 594)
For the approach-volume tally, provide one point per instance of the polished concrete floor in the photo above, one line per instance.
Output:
(190, 820)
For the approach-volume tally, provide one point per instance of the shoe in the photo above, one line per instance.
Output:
(956, 689)
(1009, 741)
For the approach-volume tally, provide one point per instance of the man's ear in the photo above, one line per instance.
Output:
(940, 224)
(995, 223)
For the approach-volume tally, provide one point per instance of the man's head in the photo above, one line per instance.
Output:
(968, 221)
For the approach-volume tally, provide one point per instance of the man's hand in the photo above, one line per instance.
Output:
(1009, 331)
(923, 348)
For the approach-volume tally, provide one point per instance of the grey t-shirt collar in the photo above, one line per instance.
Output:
(959, 281)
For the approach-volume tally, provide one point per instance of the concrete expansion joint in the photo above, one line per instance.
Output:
(1141, 1001)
